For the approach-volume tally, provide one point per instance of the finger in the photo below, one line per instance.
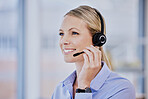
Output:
(96, 47)
(86, 61)
(90, 56)
(100, 52)
(97, 55)
(92, 49)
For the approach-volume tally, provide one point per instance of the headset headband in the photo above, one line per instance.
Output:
(101, 19)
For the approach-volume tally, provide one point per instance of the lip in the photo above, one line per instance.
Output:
(71, 50)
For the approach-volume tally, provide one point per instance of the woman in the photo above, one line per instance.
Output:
(92, 79)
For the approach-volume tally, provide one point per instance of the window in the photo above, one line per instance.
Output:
(8, 48)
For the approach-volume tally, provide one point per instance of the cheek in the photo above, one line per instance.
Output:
(83, 42)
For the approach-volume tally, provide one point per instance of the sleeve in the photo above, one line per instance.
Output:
(83, 96)
(127, 93)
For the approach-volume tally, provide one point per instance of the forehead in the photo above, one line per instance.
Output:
(73, 22)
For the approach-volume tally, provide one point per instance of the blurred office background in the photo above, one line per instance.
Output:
(31, 64)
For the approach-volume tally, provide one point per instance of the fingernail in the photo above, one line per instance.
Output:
(91, 45)
(83, 49)
(97, 46)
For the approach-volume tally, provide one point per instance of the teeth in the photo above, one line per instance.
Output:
(68, 50)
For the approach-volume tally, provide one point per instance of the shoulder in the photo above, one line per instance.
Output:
(116, 79)
(119, 86)
(113, 80)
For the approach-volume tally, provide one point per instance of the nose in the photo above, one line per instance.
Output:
(65, 40)
(66, 43)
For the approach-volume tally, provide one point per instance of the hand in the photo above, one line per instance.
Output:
(91, 66)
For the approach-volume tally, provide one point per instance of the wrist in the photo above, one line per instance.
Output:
(83, 85)
(86, 90)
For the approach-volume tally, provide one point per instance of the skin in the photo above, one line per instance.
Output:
(76, 37)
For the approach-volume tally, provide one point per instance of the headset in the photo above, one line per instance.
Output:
(98, 39)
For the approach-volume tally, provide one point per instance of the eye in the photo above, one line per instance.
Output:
(75, 33)
(61, 34)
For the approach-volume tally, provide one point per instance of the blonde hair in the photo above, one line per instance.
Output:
(92, 19)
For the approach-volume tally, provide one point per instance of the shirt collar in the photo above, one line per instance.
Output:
(99, 80)
(96, 83)
(70, 79)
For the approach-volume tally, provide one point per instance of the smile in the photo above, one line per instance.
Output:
(68, 51)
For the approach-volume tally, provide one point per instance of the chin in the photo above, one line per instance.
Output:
(73, 60)
(69, 60)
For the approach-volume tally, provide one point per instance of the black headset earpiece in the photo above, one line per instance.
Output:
(99, 38)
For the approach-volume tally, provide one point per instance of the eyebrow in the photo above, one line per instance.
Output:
(70, 29)
(60, 30)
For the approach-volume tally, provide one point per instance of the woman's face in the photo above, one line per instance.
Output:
(74, 38)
